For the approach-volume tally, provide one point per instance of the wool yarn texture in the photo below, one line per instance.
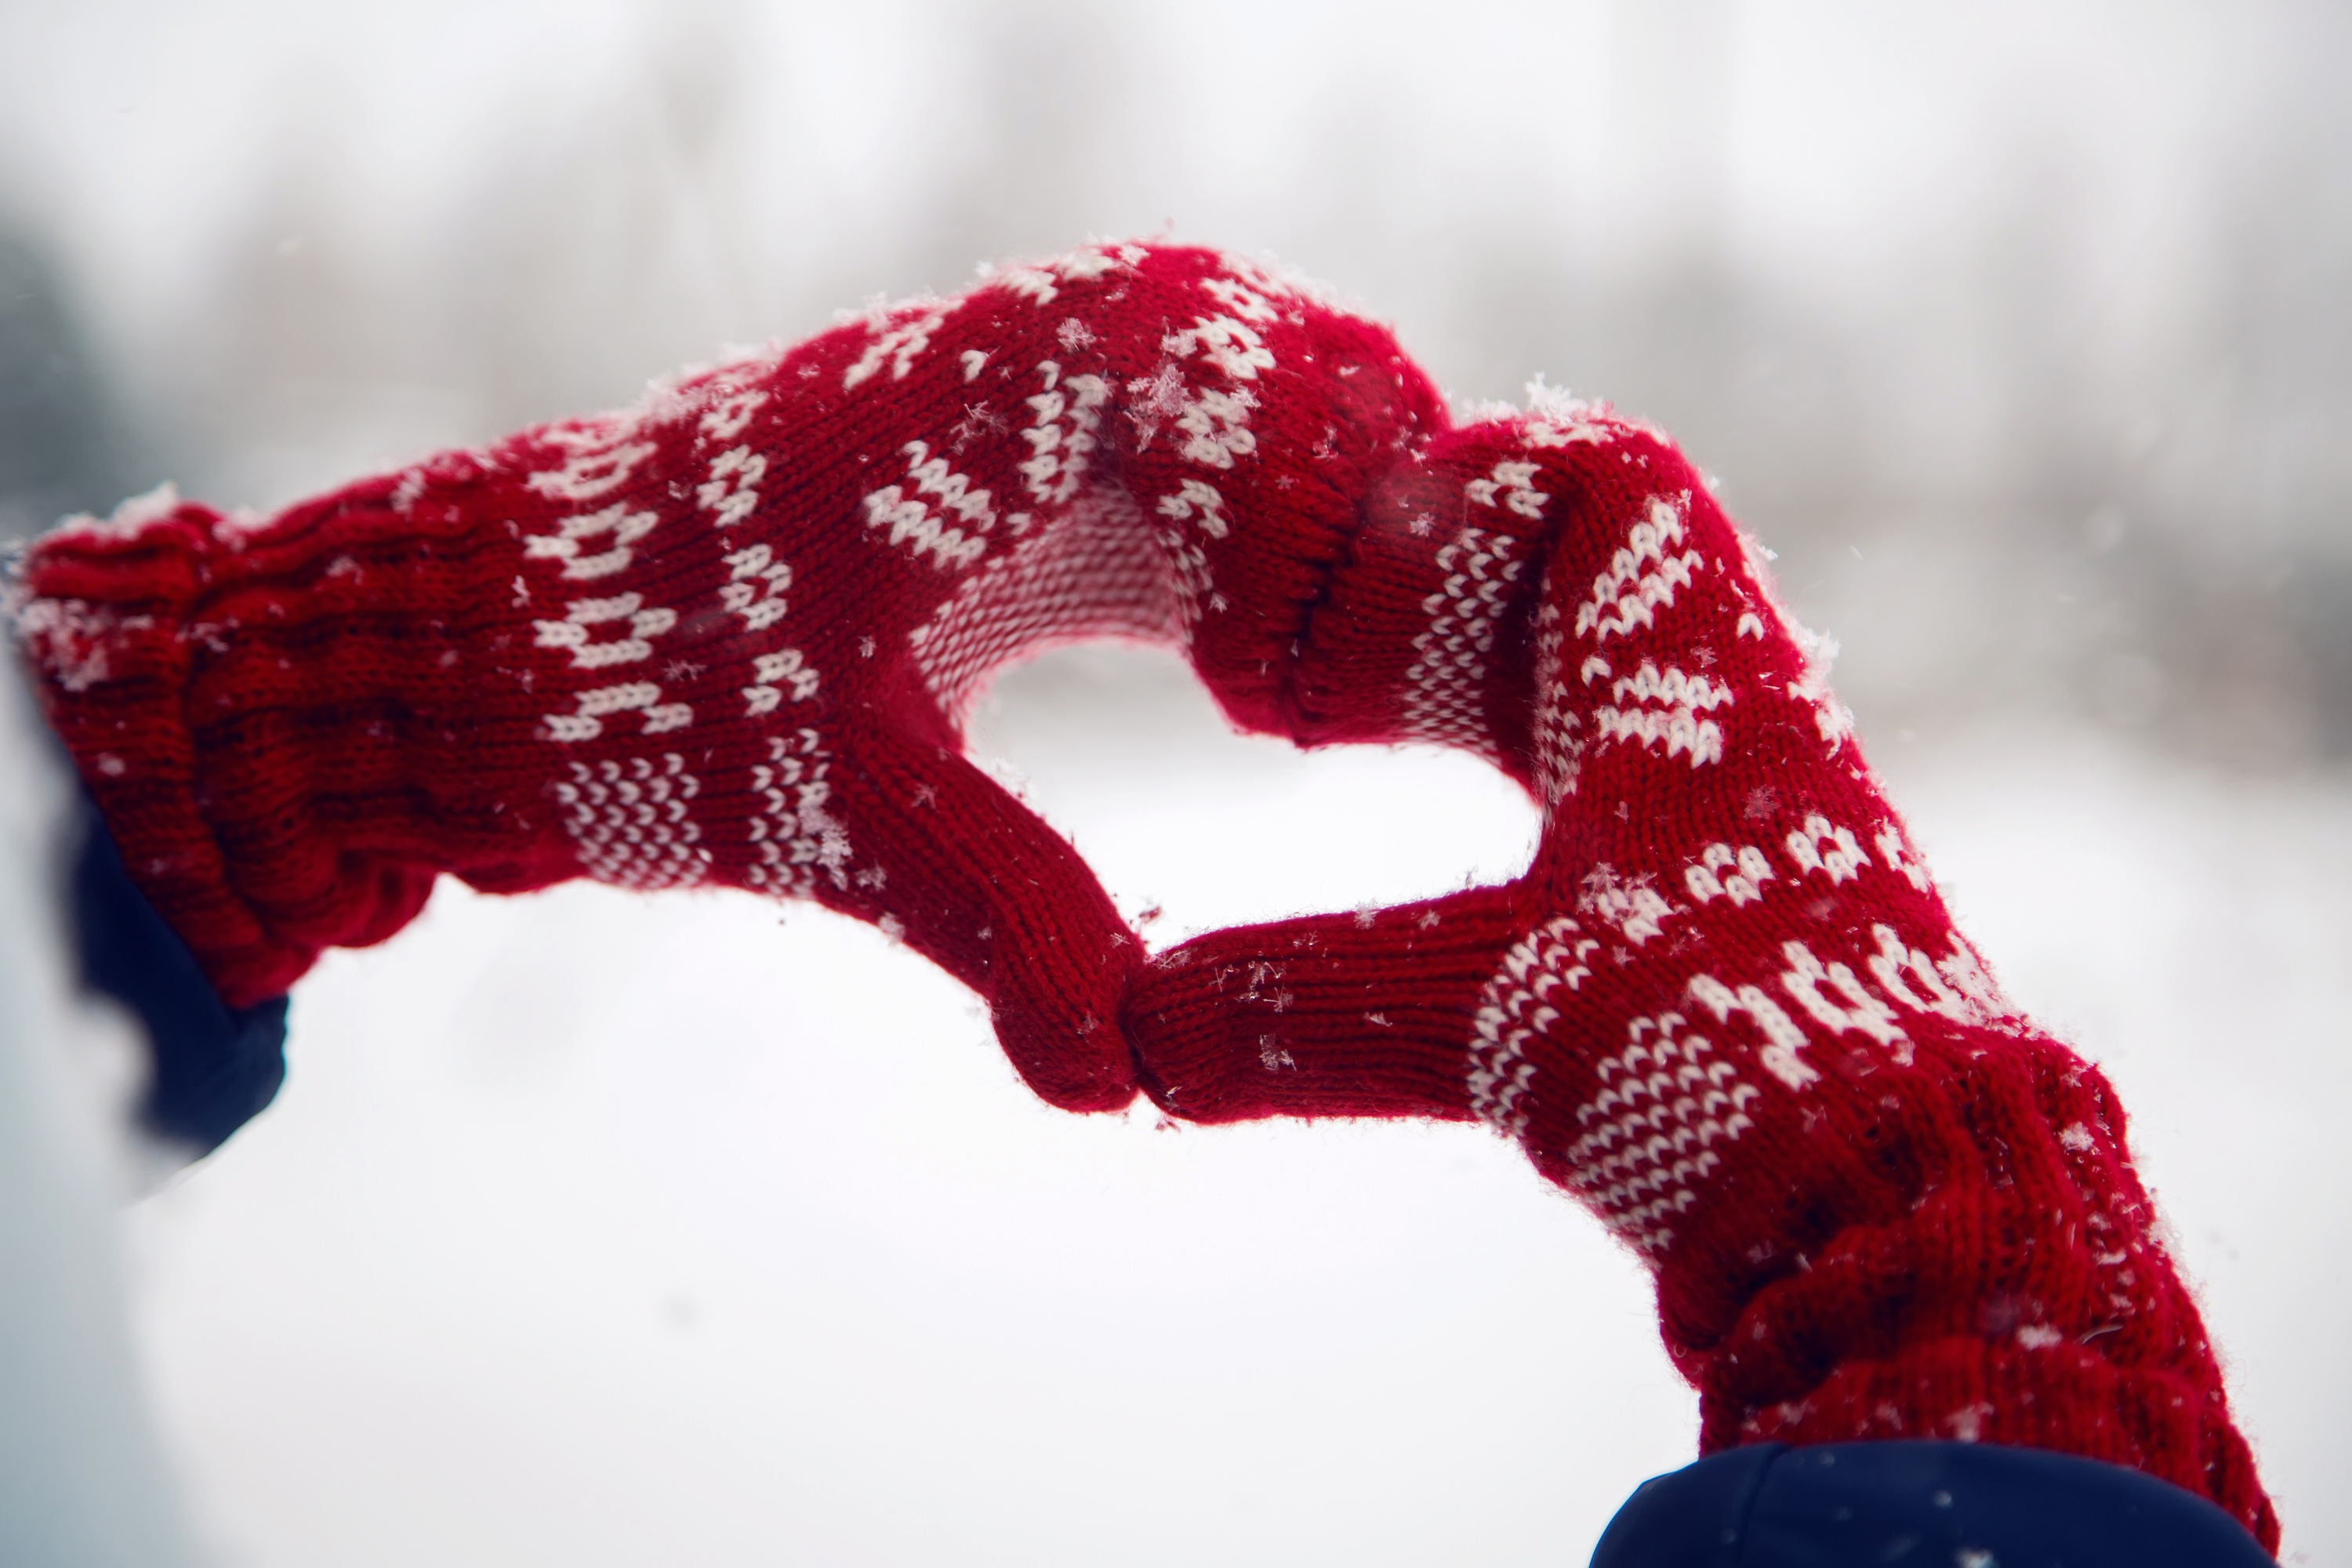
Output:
(731, 635)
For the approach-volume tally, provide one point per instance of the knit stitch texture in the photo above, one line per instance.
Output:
(729, 638)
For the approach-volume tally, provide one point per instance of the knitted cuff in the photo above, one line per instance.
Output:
(291, 729)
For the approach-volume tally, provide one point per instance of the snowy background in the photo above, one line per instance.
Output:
(597, 1230)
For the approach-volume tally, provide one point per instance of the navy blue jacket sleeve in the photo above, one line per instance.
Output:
(215, 1066)
(1917, 1504)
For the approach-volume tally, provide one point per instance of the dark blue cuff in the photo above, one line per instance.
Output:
(214, 1067)
(1914, 1504)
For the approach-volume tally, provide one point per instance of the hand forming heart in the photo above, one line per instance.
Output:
(730, 636)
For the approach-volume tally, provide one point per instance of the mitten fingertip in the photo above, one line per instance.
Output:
(1082, 1065)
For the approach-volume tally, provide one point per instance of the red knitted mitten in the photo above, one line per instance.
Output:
(1726, 1007)
(728, 636)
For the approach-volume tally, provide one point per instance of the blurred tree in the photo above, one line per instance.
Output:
(63, 445)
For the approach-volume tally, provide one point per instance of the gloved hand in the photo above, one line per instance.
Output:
(1726, 1007)
(728, 635)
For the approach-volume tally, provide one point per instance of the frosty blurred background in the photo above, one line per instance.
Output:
(612, 1232)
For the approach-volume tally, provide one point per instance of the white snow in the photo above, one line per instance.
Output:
(609, 1230)
(82, 1481)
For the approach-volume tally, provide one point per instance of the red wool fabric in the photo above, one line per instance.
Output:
(729, 637)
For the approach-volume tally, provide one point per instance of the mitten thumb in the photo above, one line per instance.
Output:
(1343, 1015)
(967, 876)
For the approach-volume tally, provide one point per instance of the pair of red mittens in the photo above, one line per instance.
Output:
(729, 637)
